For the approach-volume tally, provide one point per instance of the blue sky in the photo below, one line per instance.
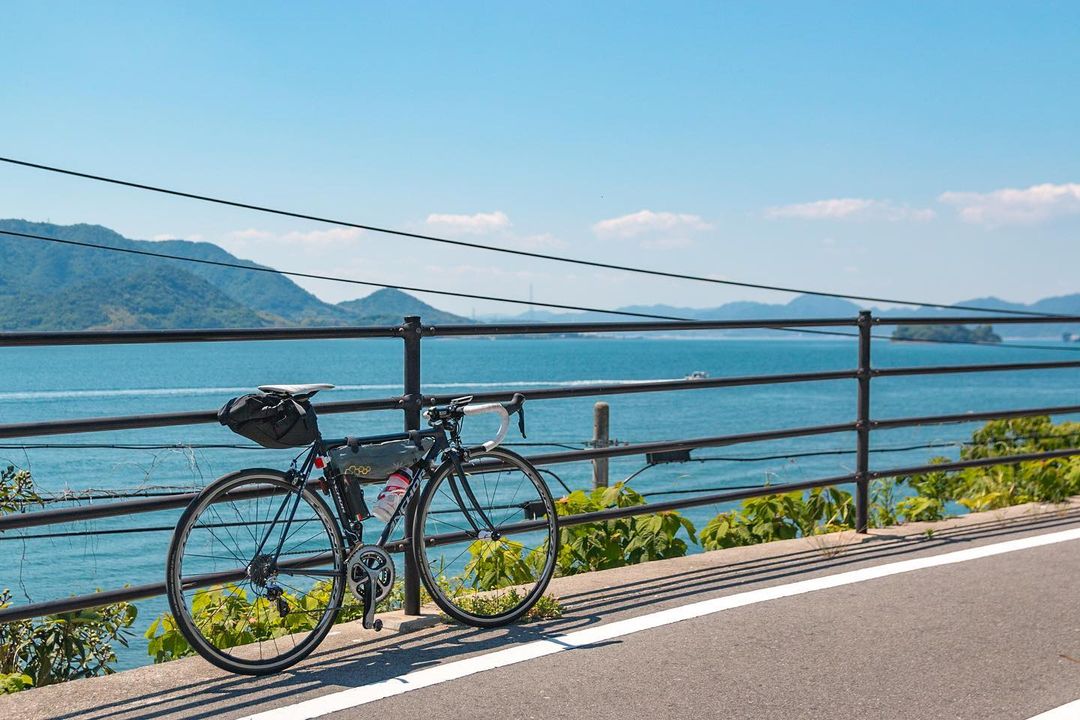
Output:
(924, 150)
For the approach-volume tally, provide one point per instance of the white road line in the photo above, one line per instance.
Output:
(1070, 711)
(415, 680)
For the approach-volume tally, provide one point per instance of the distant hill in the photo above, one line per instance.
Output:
(156, 298)
(389, 306)
(52, 287)
(946, 333)
(812, 306)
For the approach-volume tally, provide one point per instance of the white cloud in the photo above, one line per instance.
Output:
(1016, 206)
(647, 221)
(850, 209)
(475, 224)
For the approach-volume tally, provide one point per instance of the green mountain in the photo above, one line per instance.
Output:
(37, 267)
(947, 333)
(45, 286)
(156, 298)
(389, 306)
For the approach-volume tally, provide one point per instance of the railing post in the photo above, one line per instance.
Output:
(862, 426)
(601, 417)
(412, 332)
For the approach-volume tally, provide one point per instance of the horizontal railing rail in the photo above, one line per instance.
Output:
(977, 320)
(148, 337)
(135, 422)
(412, 400)
(953, 369)
(972, 417)
(168, 502)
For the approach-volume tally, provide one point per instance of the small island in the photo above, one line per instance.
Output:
(946, 333)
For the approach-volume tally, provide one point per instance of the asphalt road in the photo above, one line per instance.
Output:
(993, 637)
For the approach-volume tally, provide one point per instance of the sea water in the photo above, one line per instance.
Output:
(59, 383)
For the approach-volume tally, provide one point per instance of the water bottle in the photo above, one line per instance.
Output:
(391, 495)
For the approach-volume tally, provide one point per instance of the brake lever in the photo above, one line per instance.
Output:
(521, 420)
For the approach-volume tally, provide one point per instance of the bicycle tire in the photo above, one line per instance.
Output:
(236, 661)
(545, 539)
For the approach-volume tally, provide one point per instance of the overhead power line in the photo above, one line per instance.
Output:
(579, 308)
(507, 251)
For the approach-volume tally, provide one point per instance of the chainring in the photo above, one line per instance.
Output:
(365, 560)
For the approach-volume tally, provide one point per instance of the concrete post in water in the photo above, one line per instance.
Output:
(411, 333)
(601, 417)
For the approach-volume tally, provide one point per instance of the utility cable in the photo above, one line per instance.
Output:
(508, 251)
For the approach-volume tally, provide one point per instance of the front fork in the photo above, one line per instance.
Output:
(489, 532)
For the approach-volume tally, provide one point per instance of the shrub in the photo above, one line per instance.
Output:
(615, 543)
(17, 490)
(229, 619)
(780, 517)
(998, 486)
(546, 608)
(58, 647)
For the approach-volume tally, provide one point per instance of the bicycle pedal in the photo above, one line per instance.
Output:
(377, 625)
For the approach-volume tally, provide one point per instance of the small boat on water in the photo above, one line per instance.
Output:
(698, 375)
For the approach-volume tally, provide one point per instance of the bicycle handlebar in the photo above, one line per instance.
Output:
(504, 410)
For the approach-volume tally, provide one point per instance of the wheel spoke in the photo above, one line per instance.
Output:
(513, 572)
(237, 625)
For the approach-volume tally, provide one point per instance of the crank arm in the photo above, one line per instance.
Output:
(370, 623)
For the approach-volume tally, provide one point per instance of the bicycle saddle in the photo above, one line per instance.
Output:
(295, 390)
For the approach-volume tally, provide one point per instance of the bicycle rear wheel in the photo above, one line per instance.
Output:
(235, 604)
(495, 576)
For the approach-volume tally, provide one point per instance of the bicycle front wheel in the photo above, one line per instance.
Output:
(255, 572)
(486, 541)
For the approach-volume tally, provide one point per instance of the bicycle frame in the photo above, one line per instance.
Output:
(352, 528)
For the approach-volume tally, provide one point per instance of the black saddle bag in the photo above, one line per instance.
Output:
(273, 421)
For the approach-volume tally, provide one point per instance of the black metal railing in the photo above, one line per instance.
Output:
(412, 401)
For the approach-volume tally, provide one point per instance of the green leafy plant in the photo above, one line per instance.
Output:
(497, 563)
(780, 517)
(17, 491)
(615, 543)
(547, 607)
(58, 647)
(989, 488)
(14, 682)
(884, 503)
(61, 647)
(228, 618)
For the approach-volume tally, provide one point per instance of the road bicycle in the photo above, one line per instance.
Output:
(260, 567)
